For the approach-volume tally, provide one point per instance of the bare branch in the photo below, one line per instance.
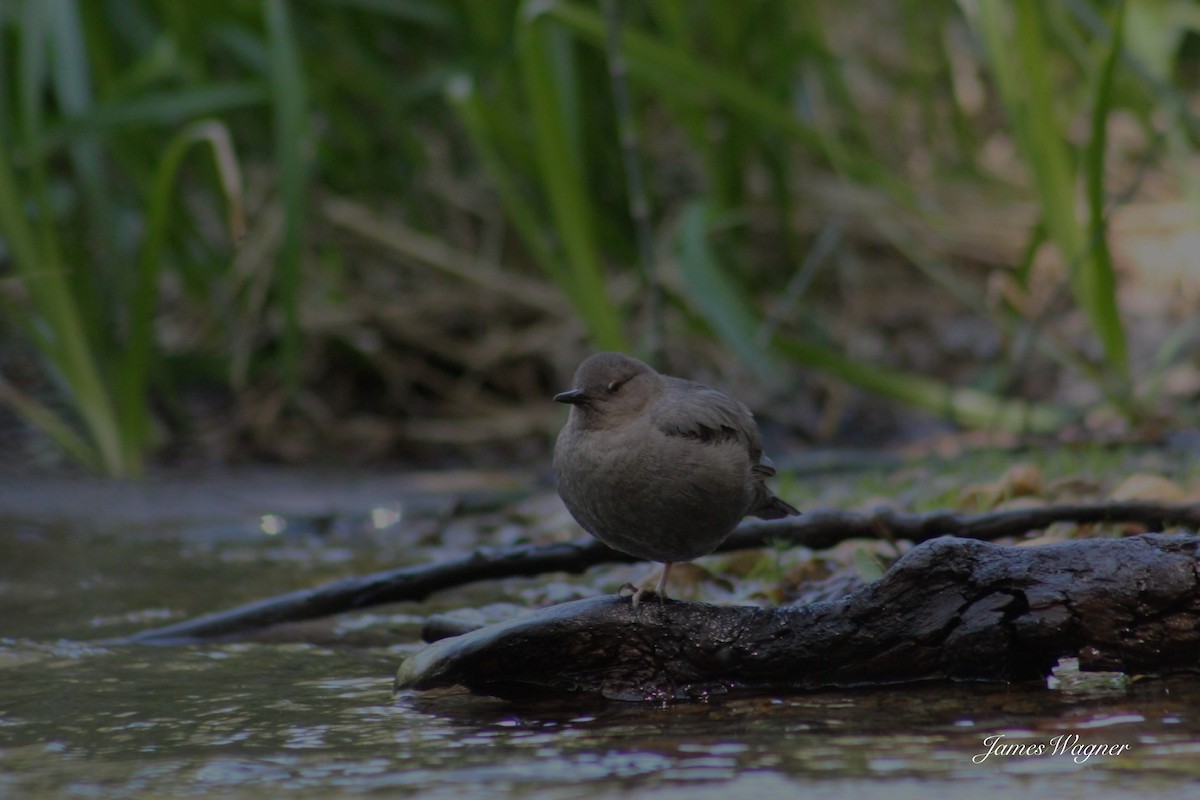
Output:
(817, 530)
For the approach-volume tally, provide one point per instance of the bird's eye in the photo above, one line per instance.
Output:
(613, 387)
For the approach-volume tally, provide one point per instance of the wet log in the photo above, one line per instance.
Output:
(816, 530)
(951, 609)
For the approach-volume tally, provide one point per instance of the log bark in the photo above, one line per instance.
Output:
(951, 609)
(817, 530)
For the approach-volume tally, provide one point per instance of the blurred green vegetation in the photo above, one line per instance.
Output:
(758, 142)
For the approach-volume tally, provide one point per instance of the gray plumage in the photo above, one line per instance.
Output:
(658, 467)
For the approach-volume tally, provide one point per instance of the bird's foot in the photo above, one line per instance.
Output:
(636, 593)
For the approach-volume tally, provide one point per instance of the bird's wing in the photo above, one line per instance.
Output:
(694, 411)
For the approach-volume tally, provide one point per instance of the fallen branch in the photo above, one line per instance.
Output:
(951, 609)
(817, 530)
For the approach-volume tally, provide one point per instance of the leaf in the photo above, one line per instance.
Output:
(1150, 487)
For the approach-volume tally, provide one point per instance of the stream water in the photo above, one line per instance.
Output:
(309, 710)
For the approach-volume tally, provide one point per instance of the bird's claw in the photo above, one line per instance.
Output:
(636, 593)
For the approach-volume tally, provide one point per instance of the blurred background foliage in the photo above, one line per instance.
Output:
(390, 228)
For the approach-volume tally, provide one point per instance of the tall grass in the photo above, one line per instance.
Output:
(1023, 43)
(86, 299)
(725, 116)
(1019, 57)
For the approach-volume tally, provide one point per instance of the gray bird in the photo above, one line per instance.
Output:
(658, 467)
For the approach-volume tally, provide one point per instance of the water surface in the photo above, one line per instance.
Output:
(308, 711)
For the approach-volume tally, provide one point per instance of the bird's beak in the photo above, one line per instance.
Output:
(573, 397)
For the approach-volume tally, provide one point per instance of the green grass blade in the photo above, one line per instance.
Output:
(155, 108)
(715, 295)
(51, 424)
(562, 172)
(70, 73)
(1047, 152)
(969, 407)
(635, 182)
(1100, 283)
(423, 12)
(678, 71)
(289, 99)
(56, 322)
(58, 329)
(473, 113)
(671, 67)
(1022, 71)
(32, 69)
(132, 377)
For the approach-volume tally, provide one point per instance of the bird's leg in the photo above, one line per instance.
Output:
(641, 591)
(661, 589)
(662, 582)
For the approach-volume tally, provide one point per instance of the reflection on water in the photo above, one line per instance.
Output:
(312, 713)
(262, 719)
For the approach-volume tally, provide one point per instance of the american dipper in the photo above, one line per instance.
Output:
(658, 467)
